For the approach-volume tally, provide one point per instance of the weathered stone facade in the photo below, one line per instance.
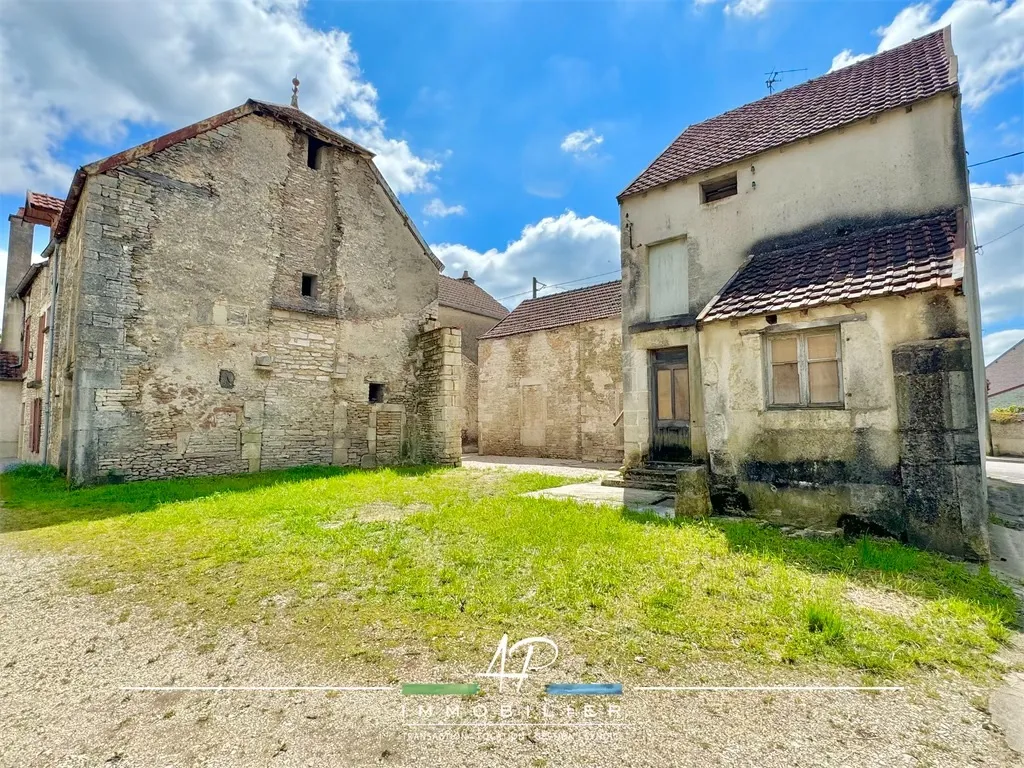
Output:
(229, 304)
(553, 393)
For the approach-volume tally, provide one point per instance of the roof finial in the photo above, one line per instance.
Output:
(295, 91)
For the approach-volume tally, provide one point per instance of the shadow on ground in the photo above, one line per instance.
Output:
(37, 497)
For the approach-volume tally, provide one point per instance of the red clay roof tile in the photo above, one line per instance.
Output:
(897, 77)
(1006, 372)
(577, 306)
(880, 260)
(462, 293)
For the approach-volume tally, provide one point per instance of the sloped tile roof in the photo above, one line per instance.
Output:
(1006, 372)
(462, 293)
(579, 306)
(10, 368)
(879, 260)
(898, 77)
(48, 203)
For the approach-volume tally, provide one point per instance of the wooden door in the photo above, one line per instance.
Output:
(670, 405)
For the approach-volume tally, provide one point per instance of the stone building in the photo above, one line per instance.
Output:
(1005, 379)
(551, 378)
(244, 293)
(24, 344)
(468, 307)
(800, 305)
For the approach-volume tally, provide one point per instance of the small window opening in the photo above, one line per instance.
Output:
(376, 393)
(227, 378)
(309, 285)
(314, 152)
(772, 319)
(718, 189)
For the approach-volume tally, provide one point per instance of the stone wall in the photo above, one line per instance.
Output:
(438, 407)
(37, 307)
(1007, 437)
(553, 394)
(191, 348)
(941, 467)
(470, 401)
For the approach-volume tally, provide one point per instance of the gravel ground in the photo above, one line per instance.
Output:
(561, 467)
(65, 658)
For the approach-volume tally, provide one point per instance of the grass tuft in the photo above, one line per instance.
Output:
(824, 620)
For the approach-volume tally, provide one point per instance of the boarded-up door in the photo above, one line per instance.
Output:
(533, 415)
(670, 418)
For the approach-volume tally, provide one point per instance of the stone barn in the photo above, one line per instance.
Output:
(551, 378)
(471, 309)
(244, 293)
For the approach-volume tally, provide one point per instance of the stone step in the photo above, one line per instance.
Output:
(645, 485)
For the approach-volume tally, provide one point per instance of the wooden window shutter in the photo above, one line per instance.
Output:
(36, 425)
(40, 343)
(26, 345)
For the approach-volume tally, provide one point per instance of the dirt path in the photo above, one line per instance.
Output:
(65, 658)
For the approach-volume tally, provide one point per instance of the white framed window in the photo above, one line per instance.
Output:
(804, 369)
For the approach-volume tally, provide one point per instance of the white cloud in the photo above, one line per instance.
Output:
(555, 250)
(436, 209)
(1000, 341)
(747, 9)
(580, 142)
(988, 38)
(94, 69)
(1000, 261)
(847, 57)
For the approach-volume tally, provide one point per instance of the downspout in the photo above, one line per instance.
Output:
(54, 260)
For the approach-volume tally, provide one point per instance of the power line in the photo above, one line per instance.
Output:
(559, 285)
(1003, 157)
(1001, 236)
(993, 200)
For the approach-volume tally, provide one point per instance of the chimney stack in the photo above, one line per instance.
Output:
(466, 277)
(19, 258)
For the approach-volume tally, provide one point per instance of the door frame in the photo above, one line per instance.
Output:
(671, 359)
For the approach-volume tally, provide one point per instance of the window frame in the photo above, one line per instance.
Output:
(718, 185)
(313, 285)
(803, 377)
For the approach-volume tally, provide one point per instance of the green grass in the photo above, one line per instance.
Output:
(461, 558)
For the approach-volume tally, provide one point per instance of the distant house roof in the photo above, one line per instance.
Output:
(289, 115)
(851, 264)
(10, 367)
(1006, 372)
(463, 293)
(898, 77)
(579, 306)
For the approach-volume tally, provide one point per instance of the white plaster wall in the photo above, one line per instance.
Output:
(899, 163)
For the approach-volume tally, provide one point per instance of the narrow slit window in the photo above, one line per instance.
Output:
(309, 285)
(376, 393)
(718, 189)
(314, 152)
(805, 370)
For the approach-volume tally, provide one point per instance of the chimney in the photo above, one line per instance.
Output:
(19, 258)
(466, 277)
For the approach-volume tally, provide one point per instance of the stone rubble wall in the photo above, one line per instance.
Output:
(190, 347)
(439, 402)
(554, 393)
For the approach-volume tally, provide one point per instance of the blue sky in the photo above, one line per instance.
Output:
(507, 128)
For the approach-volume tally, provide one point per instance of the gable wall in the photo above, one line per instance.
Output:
(190, 264)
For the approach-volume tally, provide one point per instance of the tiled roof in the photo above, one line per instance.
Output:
(41, 202)
(579, 306)
(462, 293)
(10, 369)
(879, 260)
(894, 78)
(1006, 372)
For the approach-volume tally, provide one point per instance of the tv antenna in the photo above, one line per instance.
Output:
(776, 75)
